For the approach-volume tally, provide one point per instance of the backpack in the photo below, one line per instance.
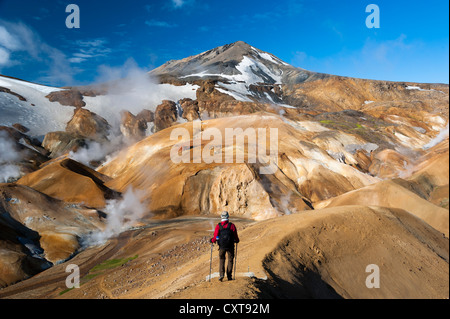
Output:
(226, 237)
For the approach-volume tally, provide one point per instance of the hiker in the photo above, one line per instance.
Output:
(225, 235)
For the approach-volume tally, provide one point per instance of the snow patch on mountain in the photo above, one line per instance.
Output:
(238, 91)
(269, 57)
(37, 113)
(42, 116)
(251, 72)
(411, 87)
(15, 84)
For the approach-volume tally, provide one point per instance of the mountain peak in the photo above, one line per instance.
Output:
(239, 45)
(237, 69)
(229, 60)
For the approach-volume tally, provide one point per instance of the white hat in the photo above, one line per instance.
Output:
(224, 216)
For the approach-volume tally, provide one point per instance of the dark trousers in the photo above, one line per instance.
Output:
(222, 254)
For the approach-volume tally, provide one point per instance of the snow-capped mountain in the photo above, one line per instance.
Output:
(238, 69)
(238, 62)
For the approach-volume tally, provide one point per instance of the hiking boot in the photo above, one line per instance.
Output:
(221, 279)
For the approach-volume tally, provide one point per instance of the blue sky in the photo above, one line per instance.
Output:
(412, 43)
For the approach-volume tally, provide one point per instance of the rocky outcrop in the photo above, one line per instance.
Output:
(190, 108)
(235, 189)
(209, 92)
(60, 143)
(71, 97)
(166, 115)
(134, 128)
(84, 127)
(146, 115)
(88, 124)
(6, 90)
(21, 128)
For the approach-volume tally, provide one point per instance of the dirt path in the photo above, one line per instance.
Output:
(319, 254)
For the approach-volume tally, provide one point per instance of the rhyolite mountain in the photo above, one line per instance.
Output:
(238, 69)
(361, 177)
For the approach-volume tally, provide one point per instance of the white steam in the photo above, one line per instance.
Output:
(121, 215)
(96, 152)
(285, 202)
(8, 172)
(93, 151)
(133, 89)
(439, 138)
(8, 155)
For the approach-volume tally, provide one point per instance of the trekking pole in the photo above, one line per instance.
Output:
(210, 262)
(235, 262)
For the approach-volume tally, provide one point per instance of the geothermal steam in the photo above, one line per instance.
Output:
(8, 155)
(439, 138)
(121, 215)
(129, 88)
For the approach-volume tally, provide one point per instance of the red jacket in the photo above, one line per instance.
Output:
(225, 225)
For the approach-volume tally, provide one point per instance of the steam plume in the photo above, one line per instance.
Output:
(8, 155)
(439, 138)
(121, 215)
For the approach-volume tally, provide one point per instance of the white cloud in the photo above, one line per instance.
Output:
(90, 48)
(76, 60)
(7, 40)
(92, 43)
(4, 56)
(20, 44)
(161, 24)
(8, 43)
(178, 3)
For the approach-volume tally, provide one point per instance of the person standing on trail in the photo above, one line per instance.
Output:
(225, 235)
